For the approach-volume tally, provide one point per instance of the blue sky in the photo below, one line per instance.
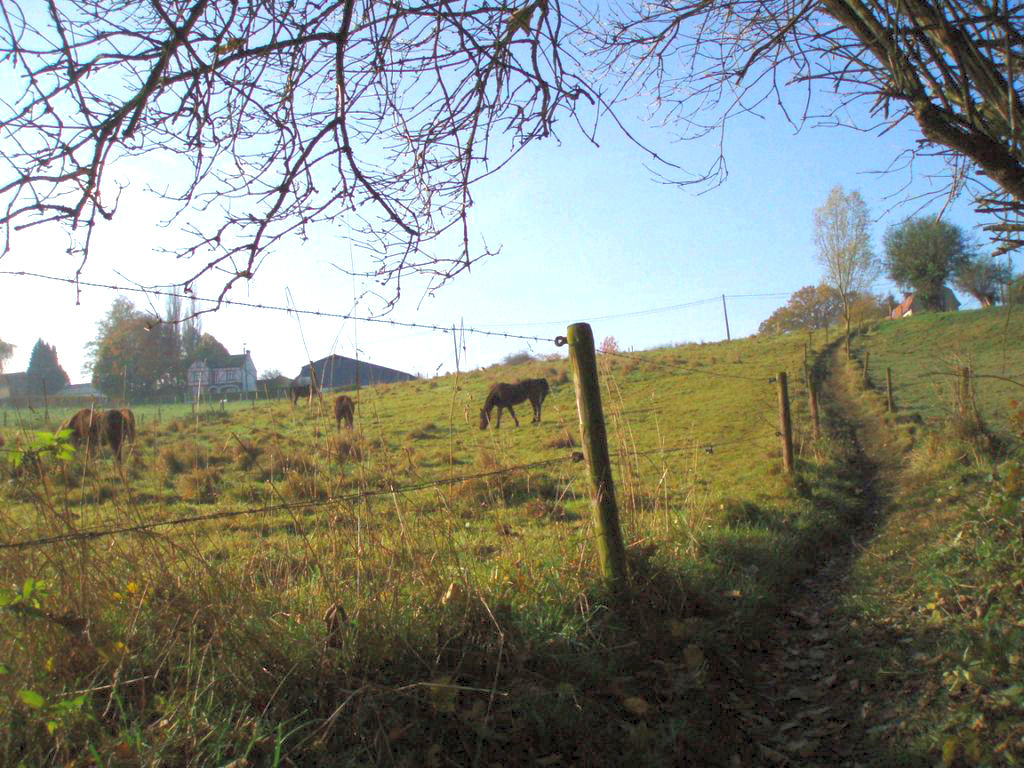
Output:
(584, 231)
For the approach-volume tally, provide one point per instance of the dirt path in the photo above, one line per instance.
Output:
(813, 707)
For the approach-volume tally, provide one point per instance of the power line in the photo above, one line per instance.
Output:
(427, 326)
(272, 307)
(651, 311)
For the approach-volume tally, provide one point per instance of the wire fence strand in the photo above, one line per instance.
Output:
(277, 308)
(96, 533)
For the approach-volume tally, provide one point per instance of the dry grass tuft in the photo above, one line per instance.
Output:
(561, 441)
(246, 454)
(347, 447)
(200, 485)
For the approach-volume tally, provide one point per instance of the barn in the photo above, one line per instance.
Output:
(339, 372)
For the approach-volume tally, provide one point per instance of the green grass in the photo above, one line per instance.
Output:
(924, 352)
(473, 626)
(936, 592)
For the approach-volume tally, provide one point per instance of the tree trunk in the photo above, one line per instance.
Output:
(846, 317)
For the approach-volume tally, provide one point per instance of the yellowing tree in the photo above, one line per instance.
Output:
(843, 240)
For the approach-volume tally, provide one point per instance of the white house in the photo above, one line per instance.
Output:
(236, 374)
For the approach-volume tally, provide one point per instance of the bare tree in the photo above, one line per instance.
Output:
(954, 68)
(294, 117)
(844, 247)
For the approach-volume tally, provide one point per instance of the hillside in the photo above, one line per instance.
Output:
(925, 352)
(421, 592)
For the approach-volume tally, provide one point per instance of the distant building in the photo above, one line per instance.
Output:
(949, 303)
(338, 372)
(13, 385)
(235, 374)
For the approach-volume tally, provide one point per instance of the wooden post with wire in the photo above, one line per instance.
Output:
(890, 406)
(812, 397)
(785, 426)
(610, 547)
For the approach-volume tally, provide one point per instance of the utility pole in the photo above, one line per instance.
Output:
(725, 311)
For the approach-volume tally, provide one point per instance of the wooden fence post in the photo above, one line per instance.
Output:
(888, 390)
(785, 426)
(812, 396)
(965, 389)
(867, 360)
(610, 547)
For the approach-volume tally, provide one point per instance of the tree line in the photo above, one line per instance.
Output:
(136, 355)
(920, 255)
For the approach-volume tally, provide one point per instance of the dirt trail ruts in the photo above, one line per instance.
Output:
(812, 708)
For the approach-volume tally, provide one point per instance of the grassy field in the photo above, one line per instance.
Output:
(421, 592)
(925, 351)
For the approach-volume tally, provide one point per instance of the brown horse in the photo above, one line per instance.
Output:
(297, 391)
(91, 427)
(128, 425)
(507, 395)
(85, 427)
(115, 428)
(345, 409)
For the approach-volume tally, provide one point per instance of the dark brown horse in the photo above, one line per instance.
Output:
(116, 428)
(91, 427)
(127, 425)
(85, 427)
(507, 395)
(298, 391)
(345, 409)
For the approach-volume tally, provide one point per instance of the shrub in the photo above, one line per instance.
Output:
(347, 447)
(246, 454)
(518, 358)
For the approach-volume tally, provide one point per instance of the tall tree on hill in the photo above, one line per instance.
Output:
(44, 374)
(808, 309)
(844, 248)
(921, 254)
(982, 277)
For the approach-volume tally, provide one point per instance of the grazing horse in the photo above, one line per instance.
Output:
(85, 427)
(507, 395)
(345, 409)
(93, 427)
(115, 428)
(128, 425)
(296, 391)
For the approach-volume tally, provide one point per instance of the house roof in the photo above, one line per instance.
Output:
(80, 390)
(235, 361)
(231, 361)
(949, 300)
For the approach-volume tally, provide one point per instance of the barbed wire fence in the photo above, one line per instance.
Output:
(696, 446)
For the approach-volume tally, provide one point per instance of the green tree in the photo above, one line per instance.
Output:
(44, 375)
(808, 309)
(921, 254)
(844, 248)
(133, 354)
(209, 349)
(6, 350)
(982, 277)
